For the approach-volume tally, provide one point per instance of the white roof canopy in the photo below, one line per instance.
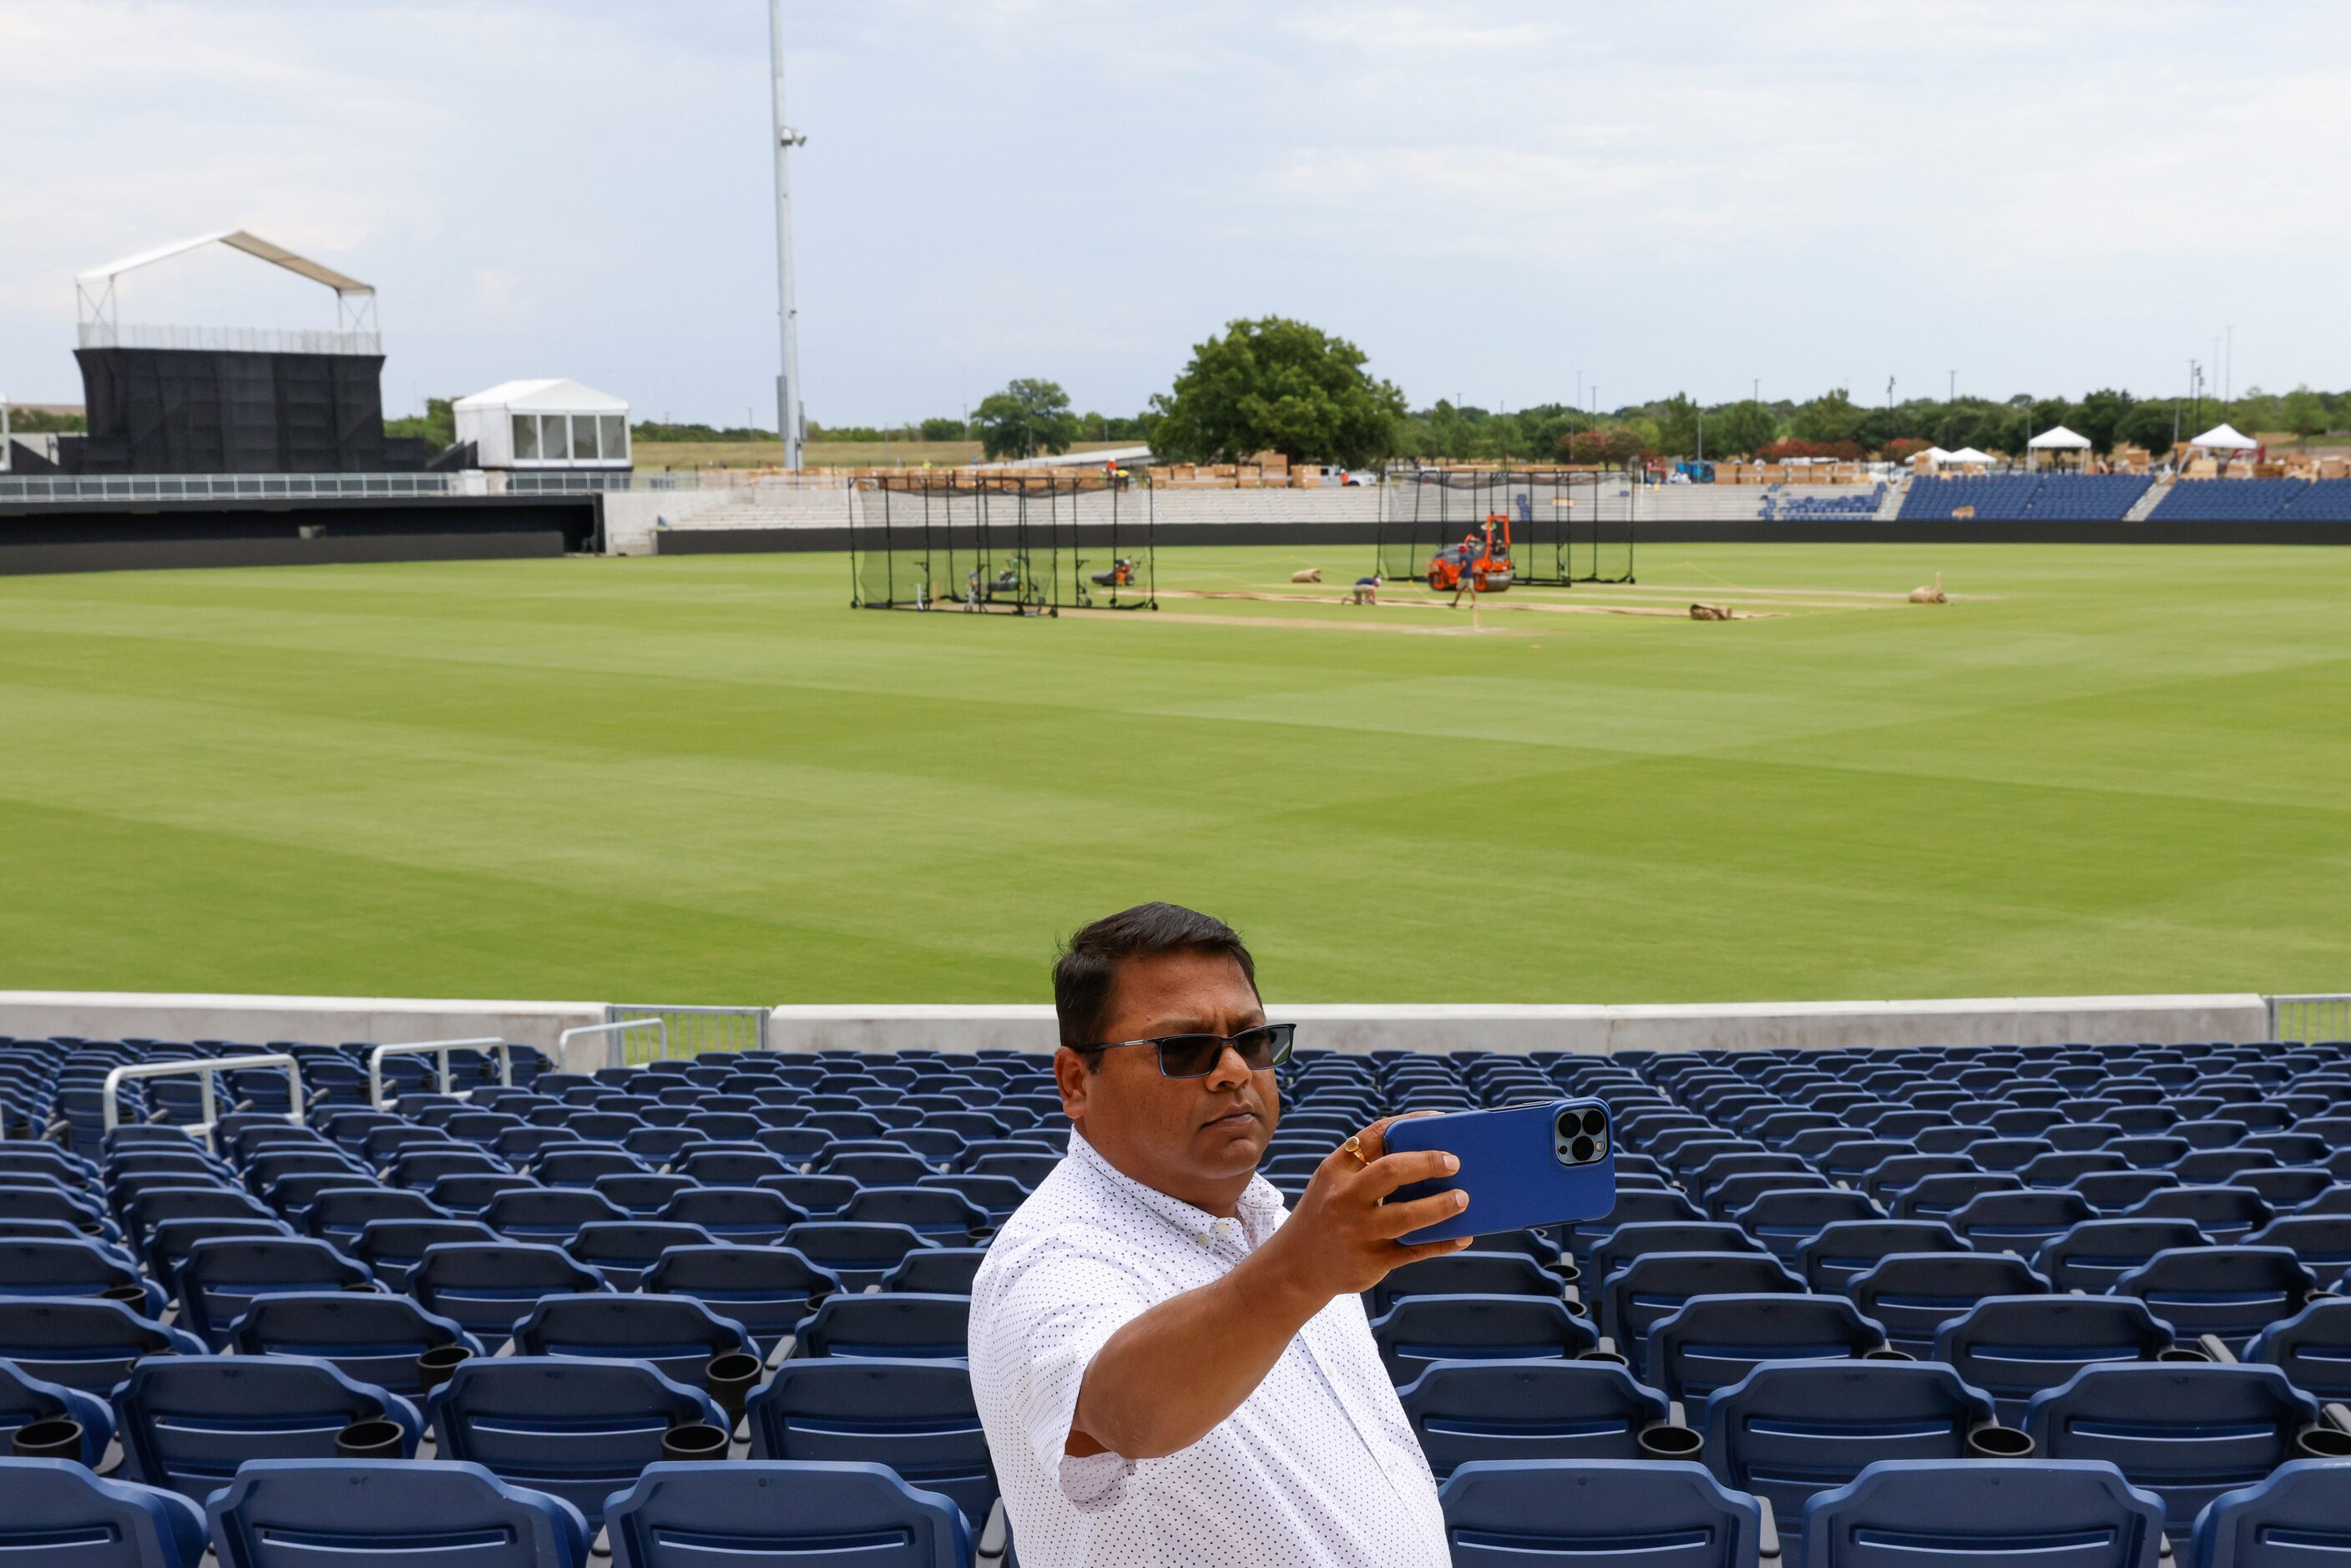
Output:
(1932, 454)
(1965, 454)
(236, 239)
(2059, 439)
(2224, 438)
(549, 396)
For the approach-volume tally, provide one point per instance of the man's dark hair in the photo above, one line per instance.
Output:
(1087, 969)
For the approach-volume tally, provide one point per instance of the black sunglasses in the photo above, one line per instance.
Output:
(1197, 1055)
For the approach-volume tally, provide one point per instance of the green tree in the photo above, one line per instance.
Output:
(2154, 425)
(1828, 418)
(2304, 412)
(1029, 417)
(1740, 429)
(1677, 421)
(2099, 415)
(944, 430)
(437, 425)
(1280, 386)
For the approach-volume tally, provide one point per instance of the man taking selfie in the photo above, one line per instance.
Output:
(1170, 1368)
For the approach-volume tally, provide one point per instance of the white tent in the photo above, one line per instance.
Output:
(1967, 454)
(1931, 457)
(544, 425)
(2059, 439)
(2224, 438)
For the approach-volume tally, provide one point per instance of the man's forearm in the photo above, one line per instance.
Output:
(1165, 1380)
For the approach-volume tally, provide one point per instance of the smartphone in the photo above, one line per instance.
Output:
(1545, 1162)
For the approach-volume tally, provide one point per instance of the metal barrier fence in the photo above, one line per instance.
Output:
(616, 1036)
(204, 1072)
(2309, 1018)
(440, 1048)
(690, 1031)
(216, 486)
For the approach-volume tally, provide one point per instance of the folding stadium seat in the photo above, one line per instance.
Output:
(418, 1169)
(2148, 1151)
(1417, 1329)
(900, 1324)
(1712, 1342)
(222, 1277)
(2313, 1348)
(1831, 1259)
(2059, 1171)
(819, 1197)
(2295, 1513)
(2228, 1292)
(768, 1290)
(1028, 1169)
(2185, 1433)
(2013, 1347)
(750, 1215)
(938, 1271)
(584, 1429)
(915, 1416)
(678, 1336)
(1912, 1295)
(1467, 1410)
(2224, 1214)
(64, 1416)
(1790, 1430)
(797, 1145)
(1940, 1197)
(88, 1344)
(373, 1339)
(1473, 1272)
(291, 1514)
(1524, 1513)
(996, 1197)
(731, 1168)
(1728, 1197)
(2216, 1168)
(1631, 1208)
(2285, 1187)
(390, 1248)
(158, 1205)
(1884, 1181)
(680, 1514)
(339, 1218)
(548, 1214)
(2095, 1253)
(570, 1165)
(2019, 1222)
(485, 1287)
(60, 1514)
(859, 1254)
(939, 1215)
(1637, 1240)
(1656, 1285)
(1785, 1221)
(186, 1422)
(2116, 1193)
(1899, 1512)
(53, 1266)
(622, 1251)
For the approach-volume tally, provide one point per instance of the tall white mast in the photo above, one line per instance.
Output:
(788, 379)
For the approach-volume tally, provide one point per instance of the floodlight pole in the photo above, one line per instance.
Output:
(788, 379)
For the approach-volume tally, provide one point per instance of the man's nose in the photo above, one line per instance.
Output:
(1230, 1070)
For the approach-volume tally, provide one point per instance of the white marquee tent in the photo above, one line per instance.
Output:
(2057, 438)
(2225, 438)
(544, 425)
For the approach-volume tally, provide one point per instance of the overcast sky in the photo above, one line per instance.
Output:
(1495, 201)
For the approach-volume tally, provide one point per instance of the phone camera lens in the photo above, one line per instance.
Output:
(1595, 1123)
(1580, 1149)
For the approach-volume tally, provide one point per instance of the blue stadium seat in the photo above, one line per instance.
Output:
(2225, 1214)
(1473, 1272)
(2013, 1347)
(186, 1422)
(937, 1270)
(1653, 1286)
(2230, 1293)
(220, 1278)
(941, 1216)
(2186, 1433)
(768, 1290)
(485, 1287)
(1784, 1220)
(89, 1344)
(53, 1266)
(1935, 1513)
(676, 1335)
(807, 1512)
(744, 1216)
(1942, 1197)
(1466, 1410)
(390, 1248)
(915, 1416)
(2095, 1253)
(904, 1325)
(1713, 1342)
(1522, 1513)
(1840, 1253)
(2313, 1348)
(859, 1255)
(1418, 1329)
(59, 1515)
(581, 1430)
(548, 1214)
(1791, 1429)
(299, 1513)
(1621, 1246)
(1911, 1295)
(2298, 1515)
(371, 1338)
(340, 1216)
(26, 1400)
(2019, 1222)
(622, 1250)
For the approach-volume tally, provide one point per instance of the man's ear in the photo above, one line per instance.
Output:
(1070, 1075)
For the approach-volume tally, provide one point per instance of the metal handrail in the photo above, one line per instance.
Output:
(441, 1048)
(110, 1095)
(615, 1031)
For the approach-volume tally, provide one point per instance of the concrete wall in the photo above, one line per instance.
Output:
(632, 517)
(1738, 1026)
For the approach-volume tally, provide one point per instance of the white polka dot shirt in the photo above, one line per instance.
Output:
(1318, 1469)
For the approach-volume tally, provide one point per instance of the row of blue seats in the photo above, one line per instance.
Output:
(2097, 497)
(2256, 500)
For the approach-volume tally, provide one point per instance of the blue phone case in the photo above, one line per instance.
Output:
(1510, 1167)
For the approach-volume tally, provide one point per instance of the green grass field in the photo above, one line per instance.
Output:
(708, 779)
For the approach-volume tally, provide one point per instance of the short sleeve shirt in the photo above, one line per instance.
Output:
(1317, 1469)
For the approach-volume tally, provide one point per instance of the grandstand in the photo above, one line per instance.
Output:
(485, 1316)
(2013, 497)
